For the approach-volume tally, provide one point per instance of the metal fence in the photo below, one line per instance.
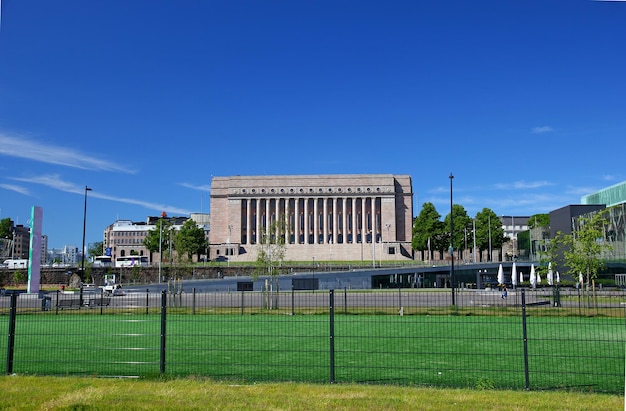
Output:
(532, 339)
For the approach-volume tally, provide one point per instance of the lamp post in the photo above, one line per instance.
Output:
(82, 265)
(160, 246)
(451, 243)
(373, 248)
(82, 255)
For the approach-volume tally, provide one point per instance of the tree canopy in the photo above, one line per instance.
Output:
(5, 228)
(584, 247)
(162, 234)
(539, 220)
(190, 240)
(428, 226)
(271, 249)
(95, 249)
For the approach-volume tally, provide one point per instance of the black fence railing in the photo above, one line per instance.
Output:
(532, 339)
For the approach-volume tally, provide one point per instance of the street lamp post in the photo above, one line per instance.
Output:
(82, 255)
(82, 265)
(160, 246)
(451, 243)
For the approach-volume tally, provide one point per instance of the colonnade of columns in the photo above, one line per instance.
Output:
(312, 220)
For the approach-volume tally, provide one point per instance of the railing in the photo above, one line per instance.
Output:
(533, 339)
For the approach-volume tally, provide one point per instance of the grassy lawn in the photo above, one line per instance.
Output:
(573, 353)
(74, 393)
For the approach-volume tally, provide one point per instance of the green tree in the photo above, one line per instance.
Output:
(583, 248)
(271, 254)
(160, 238)
(190, 240)
(552, 253)
(96, 249)
(539, 220)
(5, 228)
(427, 229)
(489, 231)
(18, 277)
(461, 221)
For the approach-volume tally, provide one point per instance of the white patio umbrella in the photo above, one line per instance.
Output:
(521, 277)
(538, 278)
(580, 278)
(533, 276)
(558, 277)
(514, 275)
(550, 274)
(500, 275)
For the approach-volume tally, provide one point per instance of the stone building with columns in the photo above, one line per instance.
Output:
(327, 217)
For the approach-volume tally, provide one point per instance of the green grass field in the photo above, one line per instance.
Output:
(580, 353)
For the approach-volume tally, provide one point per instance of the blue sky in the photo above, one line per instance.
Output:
(144, 101)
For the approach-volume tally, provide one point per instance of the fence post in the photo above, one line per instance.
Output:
(525, 334)
(11, 341)
(163, 329)
(345, 300)
(147, 300)
(101, 301)
(242, 301)
(194, 301)
(332, 335)
(293, 301)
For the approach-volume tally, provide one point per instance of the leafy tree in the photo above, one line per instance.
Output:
(190, 240)
(96, 249)
(539, 220)
(5, 228)
(489, 231)
(461, 220)
(18, 277)
(552, 254)
(428, 228)
(584, 247)
(271, 254)
(162, 234)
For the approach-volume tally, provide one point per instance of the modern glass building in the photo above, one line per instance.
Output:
(610, 196)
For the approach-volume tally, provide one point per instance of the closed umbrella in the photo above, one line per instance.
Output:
(580, 278)
(514, 275)
(521, 277)
(558, 277)
(538, 278)
(533, 276)
(500, 275)
(550, 275)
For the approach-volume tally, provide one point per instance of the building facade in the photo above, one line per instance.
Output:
(126, 238)
(328, 217)
(609, 196)
(512, 226)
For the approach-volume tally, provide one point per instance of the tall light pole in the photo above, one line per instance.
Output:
(451, 243)
(160, 246)
(82, 265)
(82, 254)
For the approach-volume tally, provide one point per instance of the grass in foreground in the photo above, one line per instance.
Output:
(73, 393)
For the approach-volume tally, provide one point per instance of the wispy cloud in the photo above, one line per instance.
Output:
(22, 147)
(17, 189)
(542, 129)
(610, 177)
(522, 185)
(202, 187)
(581, 191)
(56, 182)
